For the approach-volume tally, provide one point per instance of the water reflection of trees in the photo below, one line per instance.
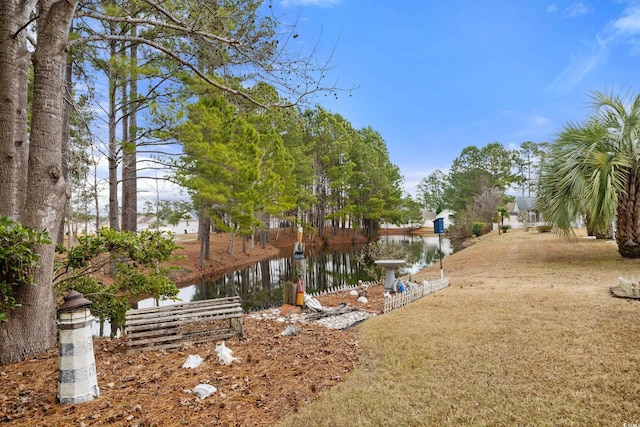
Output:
(261, 284)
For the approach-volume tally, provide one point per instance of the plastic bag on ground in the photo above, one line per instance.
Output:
(289, 331)
(204, 390)
(193, 361)
(224, 354)
(312, 303)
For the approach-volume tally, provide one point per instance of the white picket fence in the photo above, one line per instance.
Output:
(413, 293)
(339, 289)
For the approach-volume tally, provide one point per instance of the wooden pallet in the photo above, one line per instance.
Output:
(170, 326)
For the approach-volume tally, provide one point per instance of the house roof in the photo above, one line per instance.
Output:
(525, 203)
(428, 215)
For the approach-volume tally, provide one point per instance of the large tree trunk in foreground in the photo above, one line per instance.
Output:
(628, 217)
(31, 328)
(14, 68)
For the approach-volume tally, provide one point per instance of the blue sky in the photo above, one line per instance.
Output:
(434, 77)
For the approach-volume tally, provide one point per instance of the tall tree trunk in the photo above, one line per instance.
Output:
(14, 69)
(133, 134)
(129, 158)
(31, 328)
(125, 141)
(66, 132)
(96, 200)
(114, 222)
(22, 129)
(628, 217)
(204, 230)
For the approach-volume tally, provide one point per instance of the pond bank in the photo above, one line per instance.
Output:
(223, 261)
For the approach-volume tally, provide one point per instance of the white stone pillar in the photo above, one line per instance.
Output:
(77, 380)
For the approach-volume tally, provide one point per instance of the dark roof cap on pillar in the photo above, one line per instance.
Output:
(74, 300)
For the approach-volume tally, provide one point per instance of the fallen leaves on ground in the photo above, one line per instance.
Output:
(275, 375)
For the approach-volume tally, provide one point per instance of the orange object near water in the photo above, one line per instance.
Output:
(300, 294)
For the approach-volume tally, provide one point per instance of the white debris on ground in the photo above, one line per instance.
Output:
(203, 390)
(193, 361)
(289, 332)
(339, 321)
(225, 354)
(343, 321)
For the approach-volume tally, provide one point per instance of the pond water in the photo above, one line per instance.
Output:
(261, 284)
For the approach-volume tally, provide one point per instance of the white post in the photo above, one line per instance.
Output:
(440, 250)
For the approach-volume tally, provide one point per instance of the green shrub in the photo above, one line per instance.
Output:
(17, 260)
(477, 228)
(504, 228)
(137, 273)
(544, 228)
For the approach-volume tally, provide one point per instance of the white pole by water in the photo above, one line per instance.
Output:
(440, 248)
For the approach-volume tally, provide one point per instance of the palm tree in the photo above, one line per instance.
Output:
(593, 170)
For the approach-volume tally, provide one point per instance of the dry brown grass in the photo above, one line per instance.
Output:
(526, 334)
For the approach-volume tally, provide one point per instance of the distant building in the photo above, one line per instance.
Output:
(523, 213)
(427, 220)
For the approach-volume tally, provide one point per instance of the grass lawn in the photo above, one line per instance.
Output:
(526, 334)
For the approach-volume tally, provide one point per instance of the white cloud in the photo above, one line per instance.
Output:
(152, 184)
(629, 24)
(535, 127)
(513, 146)
(580, 65)
(552, 8)
(539, 120)
(576, 9)
(413, 177)
(321, 3)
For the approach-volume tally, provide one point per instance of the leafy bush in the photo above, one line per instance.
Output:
(504, 228)
(17, 260)
(544, 228)
(460, 230)
(134, 260)
(477, 228)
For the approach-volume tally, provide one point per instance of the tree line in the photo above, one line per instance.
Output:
(588, 174)
(224, 79)
(480, 183)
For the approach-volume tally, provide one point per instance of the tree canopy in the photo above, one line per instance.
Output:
(480, 182)
(232, 46)
(592, 172)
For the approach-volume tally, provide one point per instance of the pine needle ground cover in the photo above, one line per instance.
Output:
(527, 334)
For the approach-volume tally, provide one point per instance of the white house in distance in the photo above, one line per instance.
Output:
(144, 222)
(522, 213)
(183, 227)
(428, 217)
